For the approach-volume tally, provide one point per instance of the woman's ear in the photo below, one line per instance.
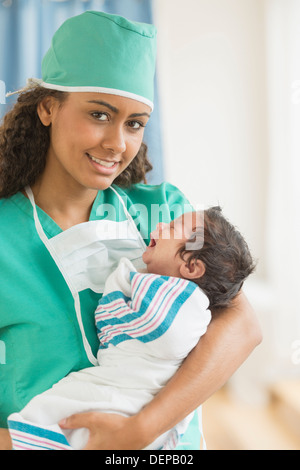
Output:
(193, 270)
(45, 110)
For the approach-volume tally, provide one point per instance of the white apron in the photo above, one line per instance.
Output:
(87, 253)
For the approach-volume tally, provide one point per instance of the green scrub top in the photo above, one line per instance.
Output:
(40, 338)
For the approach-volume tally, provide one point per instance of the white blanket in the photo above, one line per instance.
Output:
(147, 324)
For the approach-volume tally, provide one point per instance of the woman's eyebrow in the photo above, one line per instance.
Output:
(139, 114)
(114, 109)
(103, 103)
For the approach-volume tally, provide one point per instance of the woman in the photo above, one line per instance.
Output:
(61, 148)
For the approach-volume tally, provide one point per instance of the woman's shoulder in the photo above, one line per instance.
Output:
(145, 187)
(15, 213)
(164, 193)
(11, 205)
(6, 206)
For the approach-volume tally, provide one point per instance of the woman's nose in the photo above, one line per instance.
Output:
(114, 140)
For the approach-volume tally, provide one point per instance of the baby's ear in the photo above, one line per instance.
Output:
(194, 270)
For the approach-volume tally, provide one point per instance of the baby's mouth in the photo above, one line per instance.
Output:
(152, 243)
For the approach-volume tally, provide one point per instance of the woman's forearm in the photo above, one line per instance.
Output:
(5, 441)
(230, 338)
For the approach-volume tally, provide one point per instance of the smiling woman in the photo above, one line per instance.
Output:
(63, 156)
(112, 116)
(92, 141)
(22, 164)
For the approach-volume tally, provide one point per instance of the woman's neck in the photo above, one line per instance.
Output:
(67, 205)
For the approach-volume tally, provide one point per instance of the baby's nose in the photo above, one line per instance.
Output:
(159, 227)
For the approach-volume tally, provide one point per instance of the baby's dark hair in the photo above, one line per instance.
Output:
(226, 256)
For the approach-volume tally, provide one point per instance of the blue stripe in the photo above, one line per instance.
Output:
(129, 317)
(133, 315)
(152, 291)
(116, 340)
(147, 299)
(172, 312)
(32, 445)
(40, 432)
(112, 296)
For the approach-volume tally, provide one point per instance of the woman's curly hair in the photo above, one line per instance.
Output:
(24, 143)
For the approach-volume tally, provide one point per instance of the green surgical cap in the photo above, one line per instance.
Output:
(104, 53)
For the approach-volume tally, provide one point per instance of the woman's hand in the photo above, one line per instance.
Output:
(5, 440)
(231, 337)
(109, 431)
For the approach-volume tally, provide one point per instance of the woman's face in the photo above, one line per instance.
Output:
(93, 137)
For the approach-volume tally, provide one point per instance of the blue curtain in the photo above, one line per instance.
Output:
(26, 29)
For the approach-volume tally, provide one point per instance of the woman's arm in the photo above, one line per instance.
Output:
(230, 338)
(5, 441)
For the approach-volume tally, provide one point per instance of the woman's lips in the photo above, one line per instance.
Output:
(104, 166)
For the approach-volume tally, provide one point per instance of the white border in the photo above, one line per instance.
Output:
(95, 89)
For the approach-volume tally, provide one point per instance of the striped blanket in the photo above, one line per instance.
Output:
(146, 325)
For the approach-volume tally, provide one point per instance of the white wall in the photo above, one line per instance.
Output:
(229, 76)
(211, 68)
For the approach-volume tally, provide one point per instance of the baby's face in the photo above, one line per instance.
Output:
(161, 255)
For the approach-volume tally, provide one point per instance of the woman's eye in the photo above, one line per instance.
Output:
(135, 124)
(100, 116)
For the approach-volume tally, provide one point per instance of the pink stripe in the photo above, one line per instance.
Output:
(139, 295)
(153, 304)
(163, 310)
(18, 446)
(137, 278)
(109, 332)
(129, 326)
(158, 300)
(133, 325)
(28, 438)
(143, 286)
(112, 331)
(107, 328)
(111, 304)
(102, 308)
(121, 311)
